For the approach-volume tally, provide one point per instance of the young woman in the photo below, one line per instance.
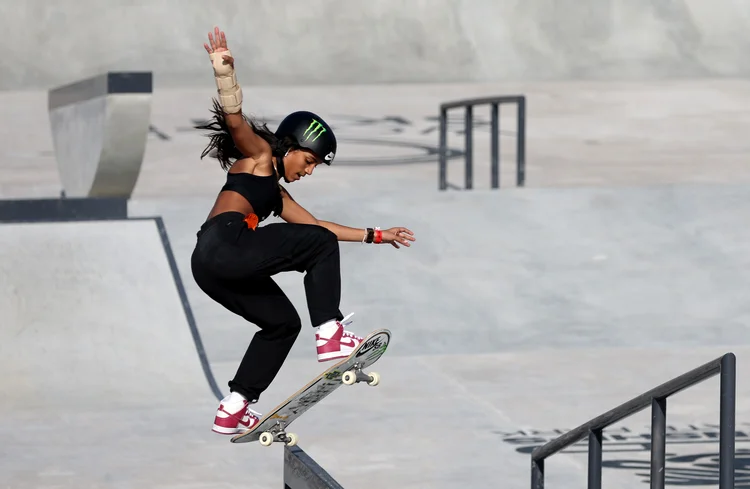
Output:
(234, 258)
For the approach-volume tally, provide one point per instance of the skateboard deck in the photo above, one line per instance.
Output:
(272, 426)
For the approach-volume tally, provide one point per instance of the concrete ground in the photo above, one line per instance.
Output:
(578, 134)
(516, 314)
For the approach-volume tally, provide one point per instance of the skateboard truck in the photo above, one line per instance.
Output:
(355, 374)
(277, 433)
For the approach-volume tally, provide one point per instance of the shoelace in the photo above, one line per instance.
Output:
(352, 335)
(347, 319)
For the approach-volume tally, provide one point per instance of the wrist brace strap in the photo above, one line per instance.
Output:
(230, 93)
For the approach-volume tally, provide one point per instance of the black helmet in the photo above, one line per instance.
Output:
(311, 132)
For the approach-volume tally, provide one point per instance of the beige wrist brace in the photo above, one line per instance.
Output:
(230, 93)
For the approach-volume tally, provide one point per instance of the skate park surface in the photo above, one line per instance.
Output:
(519, 313)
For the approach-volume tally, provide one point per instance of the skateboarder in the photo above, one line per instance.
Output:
(234, 258)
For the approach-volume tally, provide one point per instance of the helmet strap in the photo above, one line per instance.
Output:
(280, 165)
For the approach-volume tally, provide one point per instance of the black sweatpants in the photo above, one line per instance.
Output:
(233, 265)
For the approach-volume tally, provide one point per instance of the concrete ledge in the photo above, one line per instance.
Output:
(100, 86)
(99, 130)
(38, 210)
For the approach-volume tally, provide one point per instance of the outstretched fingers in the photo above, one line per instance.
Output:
(405, 234)
(402, 236)
(221, 38)
(216, 39)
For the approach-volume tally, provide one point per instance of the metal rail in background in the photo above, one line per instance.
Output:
(657, 399)
(468, 106)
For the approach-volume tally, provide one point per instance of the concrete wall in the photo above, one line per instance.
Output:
(336, 41)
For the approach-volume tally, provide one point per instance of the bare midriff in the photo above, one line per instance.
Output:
(230, 201)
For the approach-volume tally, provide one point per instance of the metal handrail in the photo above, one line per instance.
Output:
(468, 105)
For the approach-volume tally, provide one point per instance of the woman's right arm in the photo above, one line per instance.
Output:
(230, 98)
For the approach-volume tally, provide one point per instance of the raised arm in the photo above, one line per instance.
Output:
(230, 97)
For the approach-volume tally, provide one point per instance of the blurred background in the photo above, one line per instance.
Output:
(604, 254)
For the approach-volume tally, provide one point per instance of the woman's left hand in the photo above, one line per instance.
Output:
(394, 236)
(219, 45)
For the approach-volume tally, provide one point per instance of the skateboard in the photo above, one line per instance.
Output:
(348, 371)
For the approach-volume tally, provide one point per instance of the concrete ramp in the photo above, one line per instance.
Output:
(97, 302)
(99, 127)
(102, 381)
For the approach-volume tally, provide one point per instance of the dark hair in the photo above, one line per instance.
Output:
(221, 145)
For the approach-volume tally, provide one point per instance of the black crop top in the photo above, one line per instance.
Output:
(262, 192)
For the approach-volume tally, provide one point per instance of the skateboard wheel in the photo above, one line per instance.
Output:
(349, 377)
(374, 379)
(292, 439)
(266, 439)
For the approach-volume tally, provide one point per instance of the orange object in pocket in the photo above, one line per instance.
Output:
(252, 221)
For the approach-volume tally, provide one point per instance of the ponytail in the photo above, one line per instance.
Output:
(221, 145)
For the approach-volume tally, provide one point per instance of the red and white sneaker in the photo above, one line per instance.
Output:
(334, 342)
(234, 416)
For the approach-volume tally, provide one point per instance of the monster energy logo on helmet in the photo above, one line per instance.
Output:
(314, 129)
(311, 132)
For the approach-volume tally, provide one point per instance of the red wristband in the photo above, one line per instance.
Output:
(378, 236)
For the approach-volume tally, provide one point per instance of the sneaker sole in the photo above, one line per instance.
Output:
(231, 431)
(334, 355)
(226, 431)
